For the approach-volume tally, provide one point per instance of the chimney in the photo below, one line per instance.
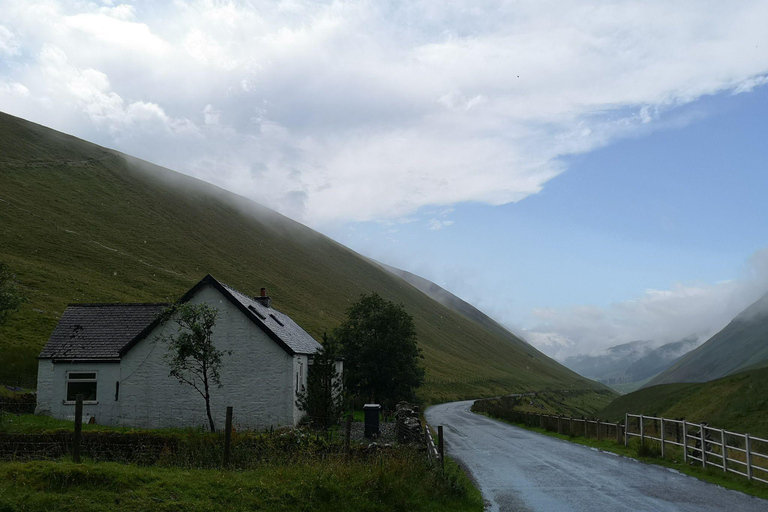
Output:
(263, 299)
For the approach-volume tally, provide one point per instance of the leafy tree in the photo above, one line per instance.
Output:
(323, 399)
(10, 298)
(192, 357)
(380, 350)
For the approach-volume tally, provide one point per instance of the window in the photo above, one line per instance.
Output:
(81, 383)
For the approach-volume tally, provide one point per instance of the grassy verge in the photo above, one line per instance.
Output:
(398, 481)
(650, 453)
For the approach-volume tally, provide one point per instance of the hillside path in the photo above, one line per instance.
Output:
(520, 470)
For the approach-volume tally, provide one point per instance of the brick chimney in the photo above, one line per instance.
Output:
(263, 299)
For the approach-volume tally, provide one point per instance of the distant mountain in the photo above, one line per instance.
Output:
(629, 366)
(742, 344)
(611, 362)
(456, 304)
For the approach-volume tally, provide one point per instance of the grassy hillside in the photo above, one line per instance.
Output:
(80, 223)
(738, 402)
(742, 344)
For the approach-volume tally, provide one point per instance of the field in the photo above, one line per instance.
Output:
(79, 223)
(738, 402)
(398, 481)
(568, 403)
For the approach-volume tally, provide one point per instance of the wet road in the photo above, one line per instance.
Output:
(524, 471)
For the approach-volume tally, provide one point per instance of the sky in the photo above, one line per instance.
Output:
(588, 173)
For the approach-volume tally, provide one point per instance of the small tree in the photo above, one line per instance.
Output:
(323, 399)
(10, 298)
(192, 357)
(381, 355)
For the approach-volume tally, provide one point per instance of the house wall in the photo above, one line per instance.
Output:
(52, 388)
(258, 379)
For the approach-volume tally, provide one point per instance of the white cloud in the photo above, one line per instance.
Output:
(371, 110)
(435, 224)
(660, 316)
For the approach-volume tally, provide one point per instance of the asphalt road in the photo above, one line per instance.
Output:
(520, 470)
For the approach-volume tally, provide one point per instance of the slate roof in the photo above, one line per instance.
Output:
(98, 331)
(108, 331)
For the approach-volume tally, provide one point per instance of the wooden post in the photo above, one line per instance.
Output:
(78, 428)
(724, 451)
(227, 436)
(618, 433)
(662, 437)
(598, 428)
(570, 427)
(626, 425)
(559, 423)
(541, 420)
(440, 446)
(685, 441)
(702, 435)
(347, 434)
(642, 431)
(748, 447)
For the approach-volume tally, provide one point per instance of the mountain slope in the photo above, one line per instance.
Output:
(80, 223)
(742, 344)
(738, 402)
(610, 362)
(458, 305)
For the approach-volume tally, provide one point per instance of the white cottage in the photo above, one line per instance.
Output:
(110, 354)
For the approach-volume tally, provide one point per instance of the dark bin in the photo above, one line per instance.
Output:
(371, 420)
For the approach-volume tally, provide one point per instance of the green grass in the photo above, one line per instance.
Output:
(629, 387)
(398, 481)
(79, 223)
(738, 402)
(651, 455)
(569, 403)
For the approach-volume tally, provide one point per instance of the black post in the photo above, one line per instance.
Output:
(228, 436)
(440, 446)
(78, 428)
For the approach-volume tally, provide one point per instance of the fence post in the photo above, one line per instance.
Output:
(626, 425)
(598, 428)
(685, 441)
(725, 451)
(541, 420)
(78, 428)
(642, 431)
(227, 436)
(662, 437)
(748, 447)
(559, 423)
(702, 435)
(440, 446)
(570, 427)
(347, 434)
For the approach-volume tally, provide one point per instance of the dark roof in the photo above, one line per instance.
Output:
(98, 331)
(108, 331)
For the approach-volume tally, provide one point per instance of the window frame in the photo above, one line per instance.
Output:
(67, 380)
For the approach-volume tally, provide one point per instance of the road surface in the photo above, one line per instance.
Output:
(520, 470)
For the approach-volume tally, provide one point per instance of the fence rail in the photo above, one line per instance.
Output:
(435, 452)
(732, 452)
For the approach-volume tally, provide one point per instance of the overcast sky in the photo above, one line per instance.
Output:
(587, 172)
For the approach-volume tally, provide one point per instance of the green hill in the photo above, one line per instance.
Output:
(81, 223)
(738, 402)
(742, 344)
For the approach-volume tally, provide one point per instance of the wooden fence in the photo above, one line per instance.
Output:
(730, 451)
(435, 452)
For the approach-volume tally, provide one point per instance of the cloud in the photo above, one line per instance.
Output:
(354, 111)
(660, 316)
(435, 224)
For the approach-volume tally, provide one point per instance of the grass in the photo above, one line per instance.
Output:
(398, 481)
(738, 402)
(569, 403)
(79, 223)
(650, 453)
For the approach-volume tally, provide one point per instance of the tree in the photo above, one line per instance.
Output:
(380, 350)
(323, 399)
(10, 298)
(192, 357)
